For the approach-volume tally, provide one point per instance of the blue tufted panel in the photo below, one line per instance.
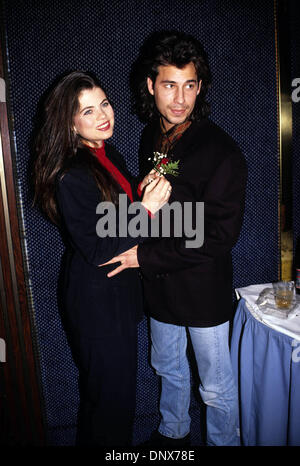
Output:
(294, 12)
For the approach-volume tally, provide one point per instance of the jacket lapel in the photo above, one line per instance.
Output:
(183, 146)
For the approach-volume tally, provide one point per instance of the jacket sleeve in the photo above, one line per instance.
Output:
(224, 197)
(78, 198)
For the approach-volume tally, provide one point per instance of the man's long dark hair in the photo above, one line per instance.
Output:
(168, 48)
(56, 144)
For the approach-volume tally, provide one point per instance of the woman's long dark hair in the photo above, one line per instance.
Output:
(56, 144)
(168, 48)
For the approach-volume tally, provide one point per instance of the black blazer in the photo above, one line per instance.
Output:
(193, 286)
(94, 304)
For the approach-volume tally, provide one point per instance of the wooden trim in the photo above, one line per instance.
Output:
(23, 397)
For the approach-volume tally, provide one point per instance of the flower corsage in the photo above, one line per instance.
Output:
(163, 165)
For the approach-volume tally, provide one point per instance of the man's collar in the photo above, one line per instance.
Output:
(181, 127)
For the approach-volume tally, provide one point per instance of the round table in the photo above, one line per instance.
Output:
(266, 364)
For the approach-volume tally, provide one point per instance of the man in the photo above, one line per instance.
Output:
(189, 289)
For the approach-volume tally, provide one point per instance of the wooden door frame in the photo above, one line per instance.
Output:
(22, 417)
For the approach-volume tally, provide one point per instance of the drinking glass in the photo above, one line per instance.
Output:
(284, 293)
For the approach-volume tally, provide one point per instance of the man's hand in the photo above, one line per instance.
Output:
(128, 259)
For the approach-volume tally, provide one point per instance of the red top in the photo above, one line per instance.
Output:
(112, 169)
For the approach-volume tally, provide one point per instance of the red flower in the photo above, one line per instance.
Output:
(164, 161)
(163, 165)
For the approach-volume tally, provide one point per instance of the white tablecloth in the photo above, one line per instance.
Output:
(289, 326)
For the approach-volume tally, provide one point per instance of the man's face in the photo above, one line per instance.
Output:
(175, 92)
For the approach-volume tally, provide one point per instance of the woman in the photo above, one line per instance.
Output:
(75, 170)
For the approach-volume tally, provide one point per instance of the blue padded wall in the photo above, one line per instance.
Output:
(294, 17)
(45, 38)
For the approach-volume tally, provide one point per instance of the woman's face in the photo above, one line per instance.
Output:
(94, 120)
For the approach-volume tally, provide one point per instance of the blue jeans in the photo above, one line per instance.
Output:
(217, 387)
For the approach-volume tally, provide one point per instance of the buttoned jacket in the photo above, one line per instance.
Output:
(193, 286)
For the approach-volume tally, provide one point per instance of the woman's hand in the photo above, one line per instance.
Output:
(156, 194)
(149, 178)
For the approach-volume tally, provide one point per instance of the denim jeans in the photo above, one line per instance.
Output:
(217, 387)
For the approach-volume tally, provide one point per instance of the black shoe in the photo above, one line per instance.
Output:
(159, 440)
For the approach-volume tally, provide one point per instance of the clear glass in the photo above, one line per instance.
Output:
(284, 292)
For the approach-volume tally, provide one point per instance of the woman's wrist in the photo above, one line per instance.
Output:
(151, 211)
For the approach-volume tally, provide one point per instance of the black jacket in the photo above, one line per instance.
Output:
(94, 304)
(193, 286)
